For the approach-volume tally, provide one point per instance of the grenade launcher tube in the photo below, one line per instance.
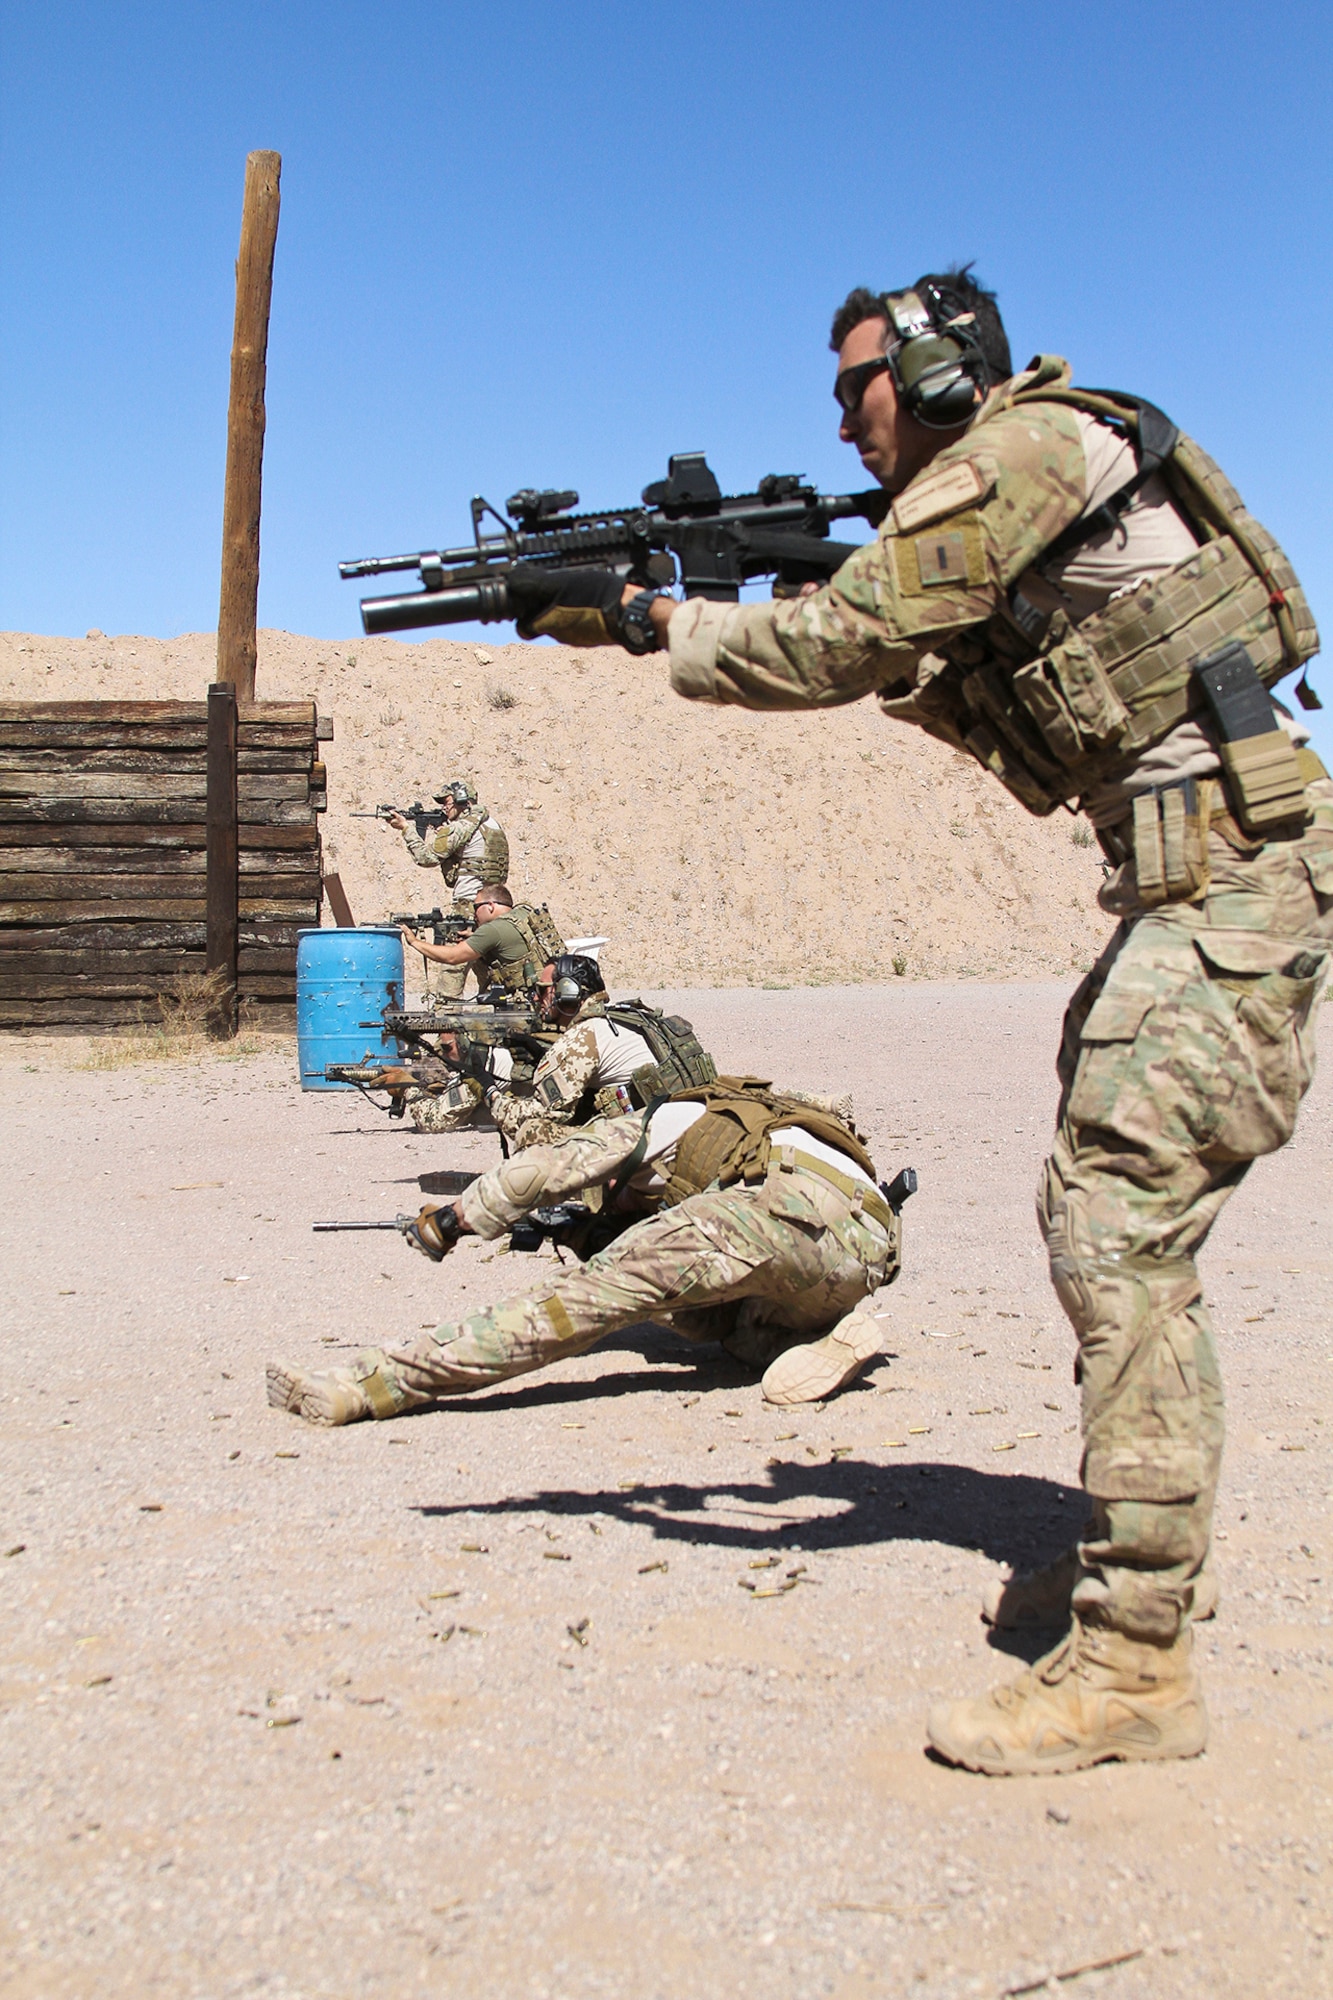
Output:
(483, 603)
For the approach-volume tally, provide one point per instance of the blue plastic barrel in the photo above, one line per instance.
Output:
(345, 978)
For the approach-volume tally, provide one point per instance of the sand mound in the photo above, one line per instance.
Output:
(714, 847)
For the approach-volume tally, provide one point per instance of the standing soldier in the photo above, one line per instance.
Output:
(1070, 591)
(469, 849)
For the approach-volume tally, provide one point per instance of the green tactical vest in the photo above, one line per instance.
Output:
(680, 1060)
(536, 927)
(1054, 709)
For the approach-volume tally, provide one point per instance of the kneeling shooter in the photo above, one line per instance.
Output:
(610, 1057)
(770, 1235)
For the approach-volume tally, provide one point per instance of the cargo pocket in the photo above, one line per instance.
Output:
(1153, 1069)
(1272, 984)
(1319, 868)
(786, 1198)
(1106, 1042)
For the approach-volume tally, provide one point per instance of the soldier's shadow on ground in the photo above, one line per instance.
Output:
(811, 1506)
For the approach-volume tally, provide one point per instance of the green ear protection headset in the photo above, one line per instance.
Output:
(935, 358)
(574, 978)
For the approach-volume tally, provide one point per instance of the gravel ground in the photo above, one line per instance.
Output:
(472, 1701)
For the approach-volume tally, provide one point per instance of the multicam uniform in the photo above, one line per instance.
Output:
(1187, 1049)
(468, 851)
(760, 1264)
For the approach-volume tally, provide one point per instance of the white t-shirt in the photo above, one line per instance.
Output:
(619, 1051)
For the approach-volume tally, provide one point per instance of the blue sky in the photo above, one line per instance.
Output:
(549, 245)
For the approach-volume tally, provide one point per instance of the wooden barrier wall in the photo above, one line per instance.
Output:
(102, 855)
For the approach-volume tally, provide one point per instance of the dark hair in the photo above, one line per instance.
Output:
(947, 293)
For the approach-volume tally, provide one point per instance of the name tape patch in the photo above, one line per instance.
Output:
(938, 493)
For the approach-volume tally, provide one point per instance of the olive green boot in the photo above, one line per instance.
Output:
(1040, 1598)
(1098, 1696)
(337, 1395)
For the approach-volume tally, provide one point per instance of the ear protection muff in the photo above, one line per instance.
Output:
(936, 361)
(575, 977)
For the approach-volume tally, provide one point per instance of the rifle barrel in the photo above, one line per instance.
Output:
(494, 546)
(324, 1226)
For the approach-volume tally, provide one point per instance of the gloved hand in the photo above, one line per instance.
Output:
(434, 1231)
(579, 607)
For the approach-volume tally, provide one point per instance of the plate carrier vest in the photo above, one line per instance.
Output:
(495, 845)
(1054, 708)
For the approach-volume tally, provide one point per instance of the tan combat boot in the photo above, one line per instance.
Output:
(1040, 1598)
(1096, 1697)
(334, 1395)
(812, 1372)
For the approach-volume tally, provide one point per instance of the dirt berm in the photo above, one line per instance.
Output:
(714, 847)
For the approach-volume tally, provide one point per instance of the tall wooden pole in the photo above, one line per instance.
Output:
(245, 426)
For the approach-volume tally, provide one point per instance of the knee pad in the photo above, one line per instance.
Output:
(1072, 1288)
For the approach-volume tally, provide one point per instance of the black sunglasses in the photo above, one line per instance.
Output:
(852, 383)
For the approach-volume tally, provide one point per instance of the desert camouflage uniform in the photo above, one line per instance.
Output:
(569, 1067)
(1186, 1051)
(448, 1110)
(1185, 1055)
(567, 1070)
(760, 1267)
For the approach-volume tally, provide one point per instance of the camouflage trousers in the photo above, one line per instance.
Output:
(758, 1268)
(1185, 1055)
(528, 1126)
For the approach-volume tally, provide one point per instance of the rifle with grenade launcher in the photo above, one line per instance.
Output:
(686, 532)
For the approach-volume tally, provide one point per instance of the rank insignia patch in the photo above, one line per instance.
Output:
(941, 558)
(950, 556)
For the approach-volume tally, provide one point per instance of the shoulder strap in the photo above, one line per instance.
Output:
(1150, 432)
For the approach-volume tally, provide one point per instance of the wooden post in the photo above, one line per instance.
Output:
(338, 903)
(222, 879)
(245, 426)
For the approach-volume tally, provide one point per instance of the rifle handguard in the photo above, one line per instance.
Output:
(433, 1231)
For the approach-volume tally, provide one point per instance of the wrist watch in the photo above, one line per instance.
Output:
(636, 623)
